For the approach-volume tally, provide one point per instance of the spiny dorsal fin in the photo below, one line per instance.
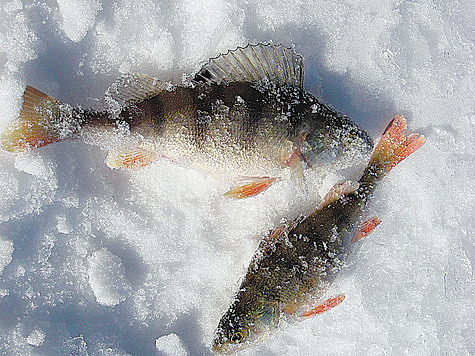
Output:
(262, 63)
(134, 88)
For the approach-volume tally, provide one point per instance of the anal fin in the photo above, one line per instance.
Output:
(365, 228)
(323, 307)
(250, 189)
(133, 158)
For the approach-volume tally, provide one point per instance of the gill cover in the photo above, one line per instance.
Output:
(238, 330)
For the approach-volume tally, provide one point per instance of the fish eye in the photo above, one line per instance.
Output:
(237, 337)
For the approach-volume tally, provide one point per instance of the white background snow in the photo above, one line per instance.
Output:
(95, 261)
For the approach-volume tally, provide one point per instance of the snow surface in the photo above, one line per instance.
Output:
(170, 345)
(95, 261)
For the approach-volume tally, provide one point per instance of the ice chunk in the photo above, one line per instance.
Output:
(107, 278)
(202, 21)
(22, 193)
(32, 165)
(17, 40)
(63, 225)
(10, 92)
(9, 187)
(102, 349)
(137, 39)
(170, 345)
(6, 251)
(75, 346)
(36, 338)
(78, 17)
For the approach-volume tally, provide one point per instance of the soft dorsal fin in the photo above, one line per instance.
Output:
(261, 63)
(134, 88)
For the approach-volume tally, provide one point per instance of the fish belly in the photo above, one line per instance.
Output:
(237, 131)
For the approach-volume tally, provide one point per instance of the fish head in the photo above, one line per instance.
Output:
(244, 324)
(324, 142)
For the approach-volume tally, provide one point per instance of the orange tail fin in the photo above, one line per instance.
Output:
(394, 146)
(34, 126)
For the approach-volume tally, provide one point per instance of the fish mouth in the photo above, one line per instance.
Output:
(228, 348)
(218, 349)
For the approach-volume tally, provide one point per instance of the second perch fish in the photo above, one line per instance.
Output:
(245, 116)
(296, 262)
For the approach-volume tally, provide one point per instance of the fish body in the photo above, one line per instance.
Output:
(245, 114)
(238, 128)
(296, 262)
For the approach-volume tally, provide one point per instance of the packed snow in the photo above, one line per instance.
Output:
(95, 261)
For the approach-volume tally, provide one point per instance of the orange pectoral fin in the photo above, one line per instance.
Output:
(136, 157)
(250, 189)
(365, 228)
(323, 307)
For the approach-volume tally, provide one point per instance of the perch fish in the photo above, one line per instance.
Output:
(245, 116)
(297, 261)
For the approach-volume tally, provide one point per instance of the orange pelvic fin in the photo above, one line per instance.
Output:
(133, 158)
(394, 146)
(365, 228)
(250, 189)
(35, 124)
(323, 307)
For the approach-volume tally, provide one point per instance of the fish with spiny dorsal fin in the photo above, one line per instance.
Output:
(296, 262)
(245, 116)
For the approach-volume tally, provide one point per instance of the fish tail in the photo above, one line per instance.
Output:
(392, 148)
(37, 124)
